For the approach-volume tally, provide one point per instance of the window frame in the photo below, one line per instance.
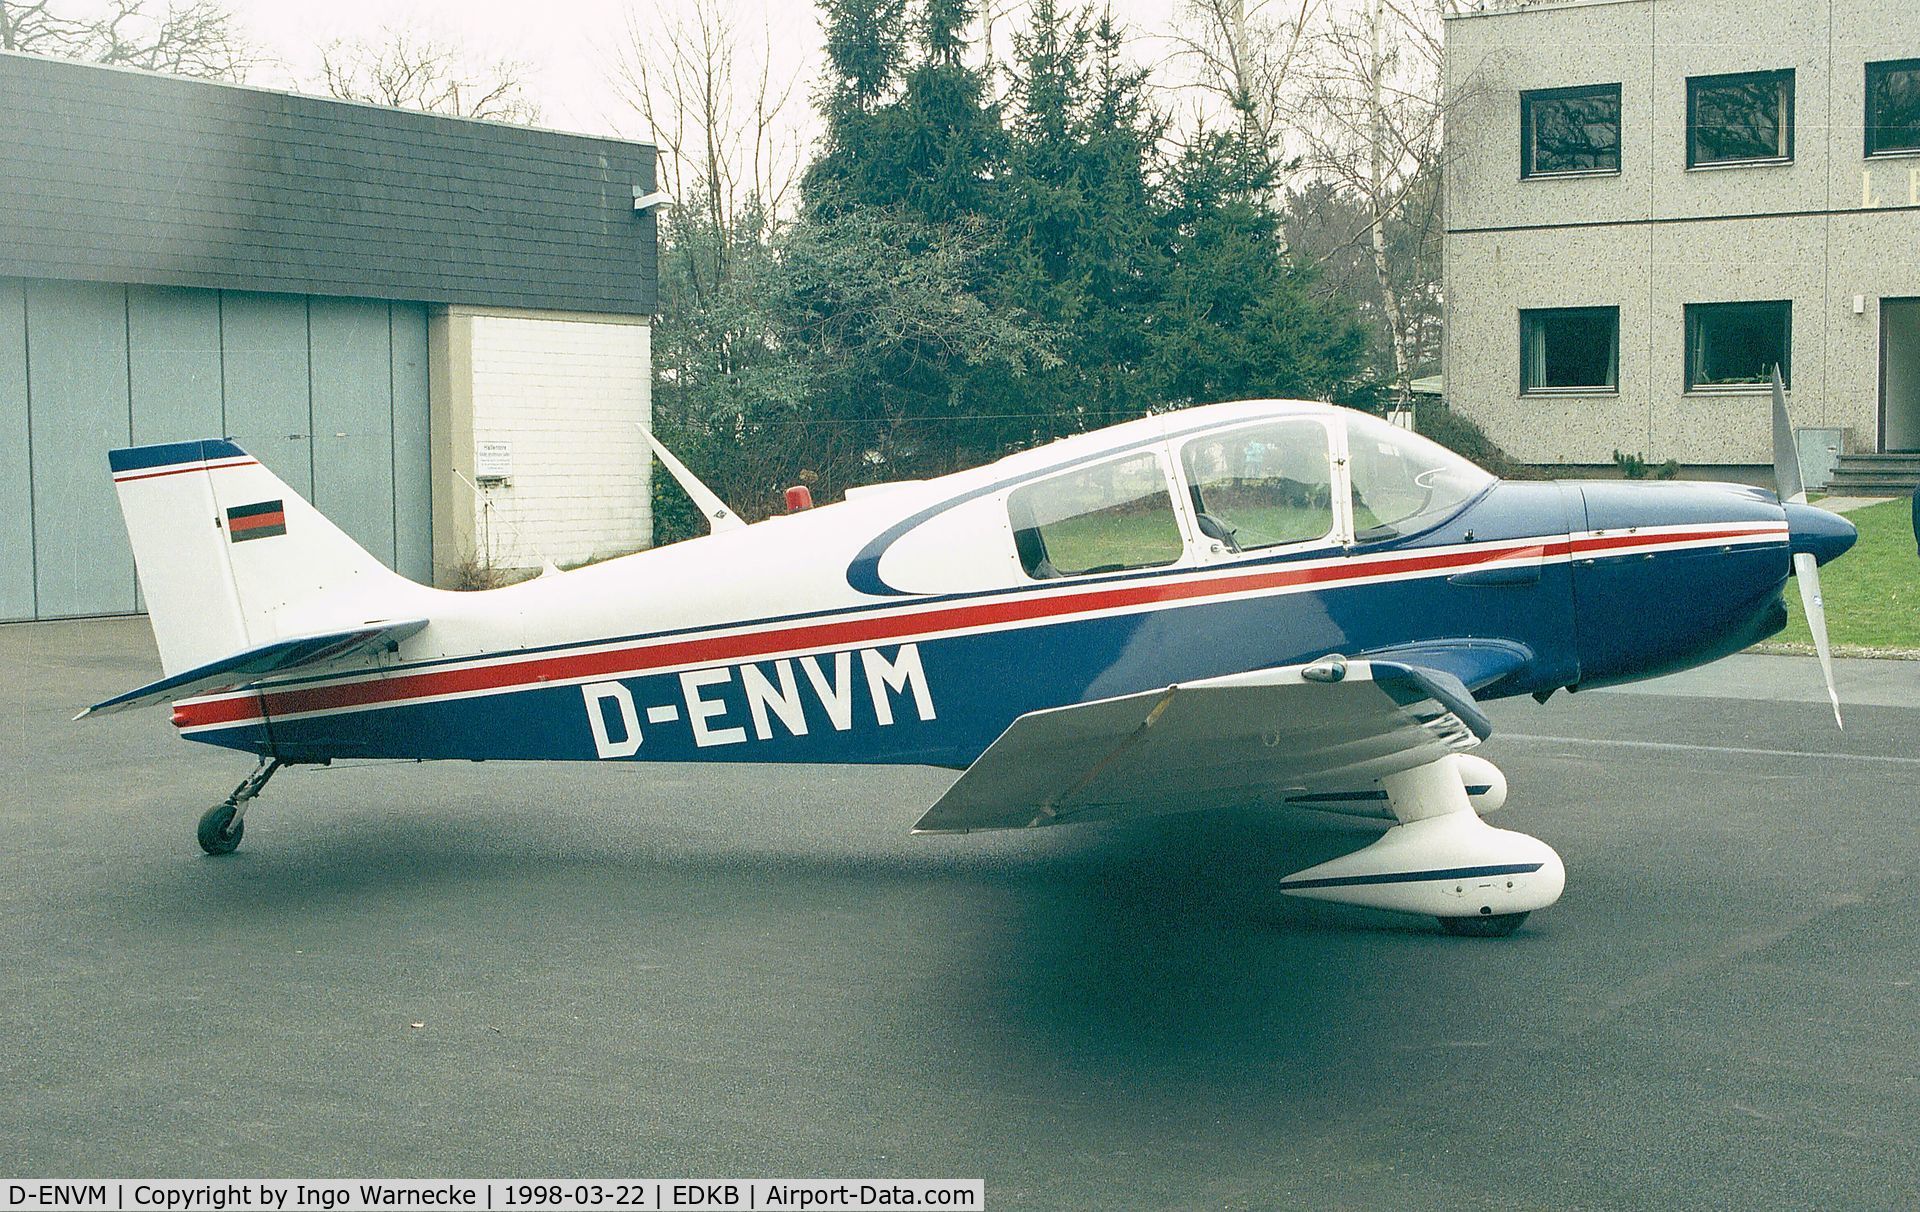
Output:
(1531, 95)
(1340, 488)
(1170, 483)
(1867, 118)
(1788, 121)
(1535, 314)
(1691, 315)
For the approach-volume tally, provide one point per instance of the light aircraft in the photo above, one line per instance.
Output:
(1261, 603)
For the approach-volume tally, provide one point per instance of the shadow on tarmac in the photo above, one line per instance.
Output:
(1155, 951)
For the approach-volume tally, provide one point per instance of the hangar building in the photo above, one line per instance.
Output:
(437, 329)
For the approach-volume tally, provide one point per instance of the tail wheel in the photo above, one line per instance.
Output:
(219, 833)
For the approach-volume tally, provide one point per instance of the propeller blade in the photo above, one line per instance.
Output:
(1806, 570)
(1786, 456)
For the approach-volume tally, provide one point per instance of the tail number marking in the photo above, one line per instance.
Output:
(774, 696)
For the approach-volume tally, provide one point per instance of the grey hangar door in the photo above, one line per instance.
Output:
(329, 393)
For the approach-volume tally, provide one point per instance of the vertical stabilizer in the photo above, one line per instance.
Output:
(231, 558)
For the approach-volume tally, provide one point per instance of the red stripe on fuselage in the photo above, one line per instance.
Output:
(644, 658)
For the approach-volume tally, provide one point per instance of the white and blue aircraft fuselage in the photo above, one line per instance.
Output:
(1257, 603)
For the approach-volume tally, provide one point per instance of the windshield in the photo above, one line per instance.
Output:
(1403, 482)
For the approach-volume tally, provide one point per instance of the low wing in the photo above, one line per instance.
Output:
(1245, 738)
(1478, 664)
(297, 652)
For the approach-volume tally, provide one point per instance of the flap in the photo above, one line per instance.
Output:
(1246, 738)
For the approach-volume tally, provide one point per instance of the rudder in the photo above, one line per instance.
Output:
(231, 558)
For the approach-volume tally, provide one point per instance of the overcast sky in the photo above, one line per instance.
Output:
(569, 45)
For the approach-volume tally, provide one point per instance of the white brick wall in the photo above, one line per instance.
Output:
(566, 395)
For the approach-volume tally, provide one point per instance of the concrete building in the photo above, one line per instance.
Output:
(437, 329)
(1651, 202)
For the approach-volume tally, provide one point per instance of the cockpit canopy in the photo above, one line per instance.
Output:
(1264, 483)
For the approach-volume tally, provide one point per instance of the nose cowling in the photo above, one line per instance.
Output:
(1814, 531)
(1673, 605)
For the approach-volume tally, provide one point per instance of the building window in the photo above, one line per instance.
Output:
(1732, 119)
(1570, 349)
(1105, 518)
(1893, 107)
(1570, 130)
(1735, 345)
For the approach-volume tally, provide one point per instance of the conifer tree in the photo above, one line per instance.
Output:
(969, 275)
(1080, 214)
(1240, 320)
(865, 49)
(906, 189)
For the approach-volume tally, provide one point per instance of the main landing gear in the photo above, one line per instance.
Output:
(1442, 859)
(222, 827)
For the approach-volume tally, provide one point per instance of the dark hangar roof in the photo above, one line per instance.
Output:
(115, 175)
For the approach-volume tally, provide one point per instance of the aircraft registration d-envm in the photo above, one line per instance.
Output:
(1260, 603)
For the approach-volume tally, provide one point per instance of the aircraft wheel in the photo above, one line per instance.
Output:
(219, 833)
(1497, 925)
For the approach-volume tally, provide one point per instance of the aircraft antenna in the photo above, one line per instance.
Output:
(718, 516)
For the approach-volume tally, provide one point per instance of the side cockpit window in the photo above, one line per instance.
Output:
(1106, 518)
(1262, 486)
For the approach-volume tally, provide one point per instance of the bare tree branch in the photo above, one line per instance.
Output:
(1247, 56)
(731, 145)
(1367, 114)
(194, 38)
(408, 69)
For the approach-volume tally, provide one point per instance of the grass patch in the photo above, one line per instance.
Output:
(1131, 536)
(1134, 536)
(1872, 592)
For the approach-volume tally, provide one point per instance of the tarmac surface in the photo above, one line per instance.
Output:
(512, 970)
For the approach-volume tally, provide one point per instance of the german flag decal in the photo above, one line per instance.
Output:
(261, 521)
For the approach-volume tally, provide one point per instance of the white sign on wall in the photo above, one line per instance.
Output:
(492, 460)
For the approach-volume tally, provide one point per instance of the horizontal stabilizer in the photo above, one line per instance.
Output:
(297, 652)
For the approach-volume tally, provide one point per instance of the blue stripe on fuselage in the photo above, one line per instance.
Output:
(980, 682)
